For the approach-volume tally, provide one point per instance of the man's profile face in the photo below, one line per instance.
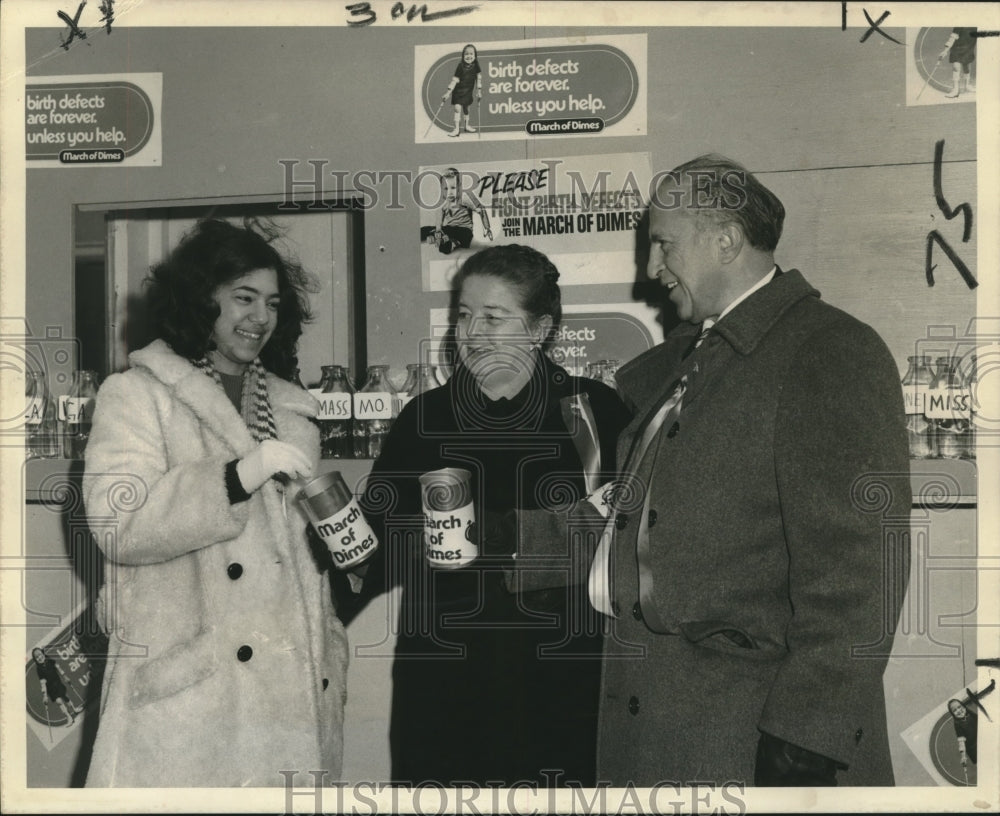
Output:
(683, 256)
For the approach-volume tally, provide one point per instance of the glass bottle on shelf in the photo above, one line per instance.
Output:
(374, 404)
(916, 384)
(427, 379)
(969, 381)
(317, 392)
(424, 379)
(35, 400)
(603, 371)
(404, 395)
(610, 367)
(949, 408)
(78, 412)
(335, 401)
(50, 443)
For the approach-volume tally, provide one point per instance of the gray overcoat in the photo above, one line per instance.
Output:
(775, 570)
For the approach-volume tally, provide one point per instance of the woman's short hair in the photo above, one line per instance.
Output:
(528, 271)
(181, 289)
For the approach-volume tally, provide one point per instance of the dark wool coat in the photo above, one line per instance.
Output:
(771, 576)
(226, 661)
(489, 686)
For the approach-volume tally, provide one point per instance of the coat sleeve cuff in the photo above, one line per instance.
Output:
(234, 487)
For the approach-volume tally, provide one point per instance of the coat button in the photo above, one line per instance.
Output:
(637, 611)
(857, 736)
(244, 653)
(621, 522)
(234, 570)
(633, 705)
(615, 609)
(673, 430)
(326, 683)
(651, 518)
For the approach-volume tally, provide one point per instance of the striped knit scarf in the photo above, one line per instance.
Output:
(255, 409)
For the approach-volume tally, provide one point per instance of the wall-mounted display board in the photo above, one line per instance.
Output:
(876, 126)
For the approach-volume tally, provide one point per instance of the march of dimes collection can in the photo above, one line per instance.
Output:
(338, 520)
(449, 517)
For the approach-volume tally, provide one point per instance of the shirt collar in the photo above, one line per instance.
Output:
(709, 322)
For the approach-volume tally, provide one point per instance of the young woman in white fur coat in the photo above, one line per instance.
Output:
(227, 662)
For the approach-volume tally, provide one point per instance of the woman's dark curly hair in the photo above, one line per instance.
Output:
(181, 289)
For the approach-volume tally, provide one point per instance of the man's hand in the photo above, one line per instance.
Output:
(782, 764)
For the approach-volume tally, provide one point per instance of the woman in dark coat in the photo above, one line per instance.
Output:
(492, 685)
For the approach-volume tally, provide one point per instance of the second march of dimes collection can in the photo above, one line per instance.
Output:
(449, 517)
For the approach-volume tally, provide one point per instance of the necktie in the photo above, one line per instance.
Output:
(706, 327)
(599, 584)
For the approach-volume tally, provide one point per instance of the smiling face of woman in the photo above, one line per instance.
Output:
(248, 315)
(496, 335)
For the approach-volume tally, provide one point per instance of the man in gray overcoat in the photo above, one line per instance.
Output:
(752, 589)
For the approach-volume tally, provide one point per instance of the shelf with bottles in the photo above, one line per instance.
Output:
(940, 407)
(354, 423)
(58, 426)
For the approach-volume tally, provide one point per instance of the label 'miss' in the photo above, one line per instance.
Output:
(938, 403)
(948, 403)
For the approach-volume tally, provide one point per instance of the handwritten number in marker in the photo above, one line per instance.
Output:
(965, 208)
(368, 16)
(361, 9)
(934, 237)
(949, 212)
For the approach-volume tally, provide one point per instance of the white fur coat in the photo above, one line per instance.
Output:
(227, 662)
